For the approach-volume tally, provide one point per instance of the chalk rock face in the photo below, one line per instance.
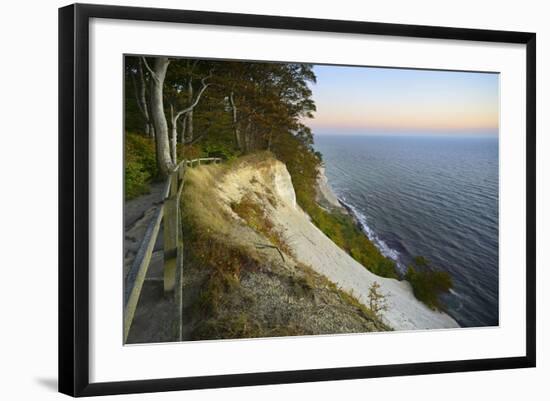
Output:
(325, 194)
(283, 184)
(268, 183)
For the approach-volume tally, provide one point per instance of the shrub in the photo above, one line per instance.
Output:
(428, 284)
(377, 301)
(135, 180)
(220, 149)
(140, 165)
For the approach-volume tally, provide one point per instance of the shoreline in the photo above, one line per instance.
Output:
(327, 193)
(328, 199)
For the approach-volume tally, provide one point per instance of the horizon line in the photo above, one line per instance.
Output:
(411, 134)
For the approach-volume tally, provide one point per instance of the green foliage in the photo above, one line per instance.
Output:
(428, 284)
(139, 165)
(134, 120)
(420, 261)
(343, 231)
(220, 149)
(213, 146)
(135, 180)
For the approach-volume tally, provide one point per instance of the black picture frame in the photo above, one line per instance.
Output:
(74, 198)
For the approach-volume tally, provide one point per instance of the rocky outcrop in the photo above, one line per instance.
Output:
(325, 196)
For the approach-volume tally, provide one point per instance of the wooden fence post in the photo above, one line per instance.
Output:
(181, 171)
(171, 212)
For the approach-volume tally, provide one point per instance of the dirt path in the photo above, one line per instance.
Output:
(154, 316)
(135, 208)
(137, 215)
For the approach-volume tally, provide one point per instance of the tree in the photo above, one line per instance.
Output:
(259, 105)
(183, 98)
(187, 112)
(158, 75)
(140, 88)
(267, 100)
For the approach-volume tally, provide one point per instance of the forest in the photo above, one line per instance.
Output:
(222, 108)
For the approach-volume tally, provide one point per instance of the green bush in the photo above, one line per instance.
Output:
(428, 284)
(140, 165)
(223, 150)
(136, 180)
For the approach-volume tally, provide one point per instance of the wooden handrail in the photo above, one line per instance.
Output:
(173, 246)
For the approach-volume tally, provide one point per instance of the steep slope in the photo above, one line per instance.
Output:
(268, 184)
(240, 278)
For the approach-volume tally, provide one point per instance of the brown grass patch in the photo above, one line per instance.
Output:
(252, 212)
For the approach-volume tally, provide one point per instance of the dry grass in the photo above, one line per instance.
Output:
(314, 279)
(250, 209)
(242, 293)
(201, 202)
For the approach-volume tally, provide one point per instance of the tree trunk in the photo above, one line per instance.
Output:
(150, 130)
(189, 128)
(151, 125)
(164, 160)
(247, 137)
(173, 145)
(183, 126)
(173, 136)
(236, 132)
(143, 99)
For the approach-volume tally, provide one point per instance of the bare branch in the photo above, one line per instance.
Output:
(194, 140)
(155, 77)
(197, 98)
(262, 246)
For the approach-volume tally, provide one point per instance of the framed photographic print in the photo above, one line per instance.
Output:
(249, 199)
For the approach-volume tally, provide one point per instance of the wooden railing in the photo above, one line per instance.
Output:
(169, 213)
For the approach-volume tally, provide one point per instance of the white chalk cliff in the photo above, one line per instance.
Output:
(313, 248)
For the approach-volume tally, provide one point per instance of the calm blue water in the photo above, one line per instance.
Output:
(430, 196)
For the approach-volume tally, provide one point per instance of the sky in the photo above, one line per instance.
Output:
(368, 100)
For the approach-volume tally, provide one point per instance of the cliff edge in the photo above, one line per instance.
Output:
(291, 274)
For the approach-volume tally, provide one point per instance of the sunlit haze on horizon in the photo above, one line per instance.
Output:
(375, 101)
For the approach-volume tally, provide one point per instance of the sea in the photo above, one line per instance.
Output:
(436, 196)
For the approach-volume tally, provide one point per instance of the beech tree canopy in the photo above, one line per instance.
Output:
(221, 108)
